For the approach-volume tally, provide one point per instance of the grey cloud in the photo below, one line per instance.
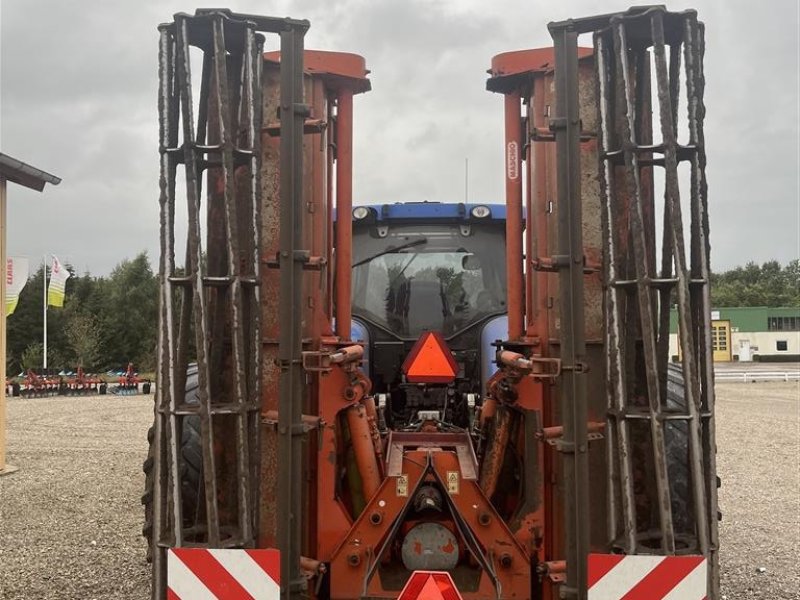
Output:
(78, 99)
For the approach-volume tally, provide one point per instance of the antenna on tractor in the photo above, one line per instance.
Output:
(466, 180)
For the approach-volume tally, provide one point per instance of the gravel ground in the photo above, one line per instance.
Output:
(758, 441)
(71, 519)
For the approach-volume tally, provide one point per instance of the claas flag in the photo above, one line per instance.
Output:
(58, 284)
(16, 278)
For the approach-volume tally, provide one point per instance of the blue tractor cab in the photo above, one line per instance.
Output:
(429, 266)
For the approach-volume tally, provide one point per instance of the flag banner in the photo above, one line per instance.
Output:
(16, 278)
(58, 284)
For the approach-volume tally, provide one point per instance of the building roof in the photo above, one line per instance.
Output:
(24, 174)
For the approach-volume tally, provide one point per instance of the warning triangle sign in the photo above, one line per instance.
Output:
(430, 360)
(429, 585)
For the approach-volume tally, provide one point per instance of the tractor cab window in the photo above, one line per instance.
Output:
(435, 277)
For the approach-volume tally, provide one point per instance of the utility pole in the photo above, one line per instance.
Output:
(466, 180)
(44, 311)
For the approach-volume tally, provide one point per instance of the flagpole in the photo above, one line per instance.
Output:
(44, 309)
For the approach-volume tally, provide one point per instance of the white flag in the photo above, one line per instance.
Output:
(16, 278)
(58, 284)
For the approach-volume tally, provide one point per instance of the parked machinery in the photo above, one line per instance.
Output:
(82, 384)
(419, 399)
(128, 383)
(35, 386)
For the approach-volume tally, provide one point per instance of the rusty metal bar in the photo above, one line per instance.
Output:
(195, 270)
(514, 251)
(619, 462)
(665, 293)
(638, 292)
(566, 126)
(348, 354)
(694, 48)
(626, 95)
(233, 267)
(492, 463)
(538, 209)
(686, 332)
(557, 431)
(330, 234)
(364, 450)
(223, 296)
(658, 29)
(344, 210)
(164, 456)
(254, 50)
(292, 386)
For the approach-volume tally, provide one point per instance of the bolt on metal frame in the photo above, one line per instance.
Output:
(216, 299)
(633, 287)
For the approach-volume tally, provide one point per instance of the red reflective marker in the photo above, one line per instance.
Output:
(430, 360)
(430, 585)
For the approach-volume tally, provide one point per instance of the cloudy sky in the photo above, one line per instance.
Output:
(78, 99)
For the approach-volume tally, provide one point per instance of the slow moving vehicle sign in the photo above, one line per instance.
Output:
(430, 585)
(430, 360)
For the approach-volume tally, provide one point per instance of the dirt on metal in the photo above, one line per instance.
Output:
(70, 518)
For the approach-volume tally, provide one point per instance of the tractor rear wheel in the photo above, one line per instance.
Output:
(676, 441)
(191, 467)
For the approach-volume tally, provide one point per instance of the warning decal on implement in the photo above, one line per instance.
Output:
(208, 574)
(618, 577)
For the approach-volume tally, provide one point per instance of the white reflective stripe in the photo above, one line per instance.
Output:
(693, 586)
(619, 580)
(248, 573)
(183, 582)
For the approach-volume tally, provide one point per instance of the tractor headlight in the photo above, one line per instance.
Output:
(360, 212)
(480, 212)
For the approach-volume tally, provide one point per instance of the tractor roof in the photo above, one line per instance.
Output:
(425, 211)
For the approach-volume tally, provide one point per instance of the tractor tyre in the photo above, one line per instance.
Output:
(191, 466)
(676, 441)
(146, 388)
(103, 389)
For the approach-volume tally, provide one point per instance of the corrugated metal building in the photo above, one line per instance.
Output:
(750, 333)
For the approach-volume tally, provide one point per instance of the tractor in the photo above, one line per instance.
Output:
(424, 399)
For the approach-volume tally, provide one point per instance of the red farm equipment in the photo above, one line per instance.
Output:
(128, 383)
(388, 393)
(35, 386)
(82, 384)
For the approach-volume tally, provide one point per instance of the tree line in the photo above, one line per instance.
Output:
(768, 284)
(105, 323)
(109, 321)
